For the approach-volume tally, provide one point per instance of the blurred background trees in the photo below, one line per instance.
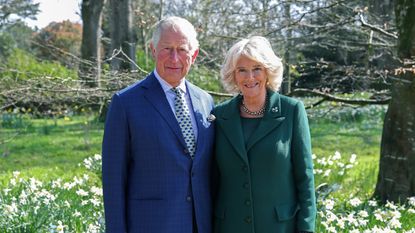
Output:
(332, 49)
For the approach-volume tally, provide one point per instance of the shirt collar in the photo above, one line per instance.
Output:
(166, 86)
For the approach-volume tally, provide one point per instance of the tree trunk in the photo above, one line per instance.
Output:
(396, 180)
(122, 35)
(90, 66)
(286, 82)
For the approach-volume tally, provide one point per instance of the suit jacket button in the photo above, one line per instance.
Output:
(246, 185)
(189, 198)
(186, 151)
(248, 219)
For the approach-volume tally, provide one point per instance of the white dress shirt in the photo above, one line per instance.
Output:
(170, 95)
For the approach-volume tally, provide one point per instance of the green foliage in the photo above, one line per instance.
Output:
(205, 78)
(144, 61)
(6, 44)
(22, 65)
(60, 160)
(59, 42)
(20, 8)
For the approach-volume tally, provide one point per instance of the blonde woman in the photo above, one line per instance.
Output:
(263, 148)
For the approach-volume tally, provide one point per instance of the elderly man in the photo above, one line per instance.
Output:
(157, 145)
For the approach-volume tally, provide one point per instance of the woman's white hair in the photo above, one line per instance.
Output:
(259, 50)
(176, 24)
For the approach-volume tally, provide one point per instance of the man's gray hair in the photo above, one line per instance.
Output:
(176, 24)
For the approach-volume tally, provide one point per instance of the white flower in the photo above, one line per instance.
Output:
(11, 209)
(96, 191)
(363, 214)
(390, 205)
(57, 183)
(68, 186)
(327, 172)
(95, 202)
(329, 204)
(355, 202)
(337, 155)
(353, 158)
(60, 227)
(13, 182)
(6, 191)
(411, 201)
(395, 223)
(340, 223)
(16, 174)
(97, 157)
(77, 214)
(67, 204)
(82, 192)
(373, 203)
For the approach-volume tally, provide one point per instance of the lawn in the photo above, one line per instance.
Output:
(56, 158)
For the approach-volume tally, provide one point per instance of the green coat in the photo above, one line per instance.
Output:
(267, 184)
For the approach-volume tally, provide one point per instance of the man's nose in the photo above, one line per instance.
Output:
(174, 55)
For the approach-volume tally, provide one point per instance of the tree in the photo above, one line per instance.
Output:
(9, 9)
(59, 41)
(396, 179)
(90, 66)
(123, 38)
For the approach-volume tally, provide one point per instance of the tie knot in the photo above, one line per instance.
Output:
(177, 91)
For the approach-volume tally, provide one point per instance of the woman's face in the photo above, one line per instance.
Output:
(250, 77)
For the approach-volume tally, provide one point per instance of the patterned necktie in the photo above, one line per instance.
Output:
(185, 123)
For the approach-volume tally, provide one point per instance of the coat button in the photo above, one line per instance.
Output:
(189, 198)
(244, 168)
(248, 219)
(246, 185)
(248, 202)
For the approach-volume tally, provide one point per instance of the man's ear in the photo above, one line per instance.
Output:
(153, 50)
(195, 53)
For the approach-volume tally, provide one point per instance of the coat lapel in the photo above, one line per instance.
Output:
(198, 113)
(271, 120)
(231, 125)
(156, 96)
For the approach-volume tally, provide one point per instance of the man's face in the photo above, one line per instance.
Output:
(173, 56)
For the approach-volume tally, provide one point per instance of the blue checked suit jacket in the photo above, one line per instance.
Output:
(149, 180)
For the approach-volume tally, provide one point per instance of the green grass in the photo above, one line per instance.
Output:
(49, 147)
(52, 149)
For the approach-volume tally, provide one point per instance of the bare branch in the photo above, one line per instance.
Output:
(374, 28)
(329, 97)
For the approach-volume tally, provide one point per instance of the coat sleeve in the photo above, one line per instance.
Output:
(115, 149)
(303, 170)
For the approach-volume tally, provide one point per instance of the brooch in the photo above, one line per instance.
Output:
(274, 109)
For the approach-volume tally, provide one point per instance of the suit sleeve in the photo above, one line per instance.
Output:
(115, 149)
(303, 170)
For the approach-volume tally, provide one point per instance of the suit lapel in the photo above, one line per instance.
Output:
(271, 120)
(156, 96)
(197, 107)
(231, 125)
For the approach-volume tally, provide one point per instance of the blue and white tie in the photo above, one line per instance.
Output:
(185, 122)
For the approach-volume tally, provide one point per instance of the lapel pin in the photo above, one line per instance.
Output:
(211, 118)
(274, 109)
